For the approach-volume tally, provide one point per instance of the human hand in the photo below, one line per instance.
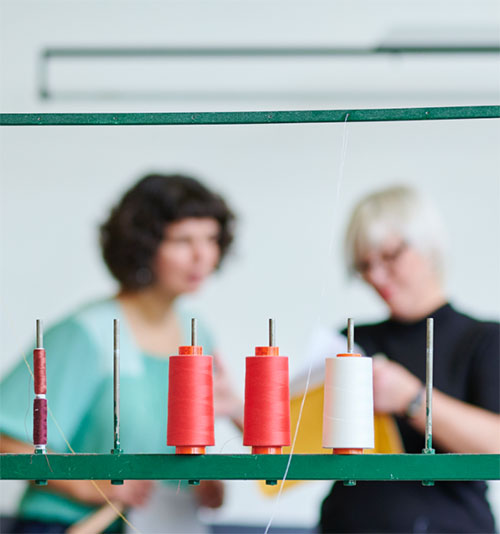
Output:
(226, 401)
(132, 492)
(95, 492)
(210, 493)
(394, 386)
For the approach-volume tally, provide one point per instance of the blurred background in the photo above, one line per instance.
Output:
(292, 186)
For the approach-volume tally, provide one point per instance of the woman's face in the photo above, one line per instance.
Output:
(400, 274)
(188, 254)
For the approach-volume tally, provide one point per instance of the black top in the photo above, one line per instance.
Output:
(466, 366)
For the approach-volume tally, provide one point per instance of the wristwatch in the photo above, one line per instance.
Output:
(415, 404)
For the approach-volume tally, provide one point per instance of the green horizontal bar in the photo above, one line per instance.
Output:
(249, 117)
(249, 466)
(286, 51)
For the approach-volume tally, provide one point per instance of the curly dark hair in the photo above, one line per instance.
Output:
(136, 226)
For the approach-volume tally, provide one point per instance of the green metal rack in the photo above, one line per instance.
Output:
(117, 466)
(423, 467)
(250, 117)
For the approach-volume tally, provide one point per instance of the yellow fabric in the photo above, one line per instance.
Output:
(309, 437)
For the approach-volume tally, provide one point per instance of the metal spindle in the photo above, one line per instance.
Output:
(350, 335)
(194, 332)
(39, 334)
(116, 383)
(272, 333)
(428, 384)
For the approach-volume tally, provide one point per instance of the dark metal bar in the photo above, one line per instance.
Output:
(350, 335)
(253, 52)
(116, 384)
(428, 385)
(285, 51)
(39, 334)
(249, 117)
(194, 332)
(248, 466)
(272, 333)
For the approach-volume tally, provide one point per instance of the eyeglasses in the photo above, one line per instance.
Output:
(387, 259)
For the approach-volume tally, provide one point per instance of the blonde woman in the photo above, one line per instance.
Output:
(395, 242)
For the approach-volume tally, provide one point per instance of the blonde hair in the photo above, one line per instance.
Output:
(398, 210)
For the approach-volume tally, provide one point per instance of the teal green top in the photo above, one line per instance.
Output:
(80, 395)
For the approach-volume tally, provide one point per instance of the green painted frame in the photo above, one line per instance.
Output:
(250, 117)
(423, 467)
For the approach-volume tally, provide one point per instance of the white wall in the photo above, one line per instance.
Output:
(58, 183)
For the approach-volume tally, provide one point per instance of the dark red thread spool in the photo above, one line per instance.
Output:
(267, 401)
(190, 422)
(39, 371)
(40, 422)
(40, 387)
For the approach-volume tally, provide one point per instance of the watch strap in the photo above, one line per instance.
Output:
(415, 404)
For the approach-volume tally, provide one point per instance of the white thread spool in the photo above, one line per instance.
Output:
(348, 404)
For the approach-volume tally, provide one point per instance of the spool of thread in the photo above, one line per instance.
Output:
(39, 371)
(348, 426)
(40, 422)
(40, 386)
(190, 423)
(348, 404)
(266, 425)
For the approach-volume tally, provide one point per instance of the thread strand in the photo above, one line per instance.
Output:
(345, 138)
(59, 429)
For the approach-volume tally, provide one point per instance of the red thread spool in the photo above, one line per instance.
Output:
(348, 451)
(39, 371)
(267, 401)
(40, 422)
(190, 423)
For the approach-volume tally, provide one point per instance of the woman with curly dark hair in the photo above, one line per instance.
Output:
(163, 239)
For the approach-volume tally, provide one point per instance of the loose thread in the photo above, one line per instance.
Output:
(278, 497)
(59, 429)
(227, 441)
(48, 463)
(343, 152)
(29, 399)
(345, 138)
